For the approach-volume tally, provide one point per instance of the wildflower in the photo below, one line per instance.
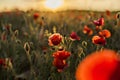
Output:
(74, 36)
(36, 16)
(5, 62)
(59, 64)
(108, 13)
(99, 40)
(55, 39)
(87, 30)
(2, 62)
(105, 33)
(62, 55)
(101, 65)
(99, 22)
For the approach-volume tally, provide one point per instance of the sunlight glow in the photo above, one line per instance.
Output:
(53, 4)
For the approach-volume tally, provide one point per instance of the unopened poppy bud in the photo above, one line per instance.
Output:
(27, 47)
(84, 43)
(118, 15)
(61, 48)
(16, 32)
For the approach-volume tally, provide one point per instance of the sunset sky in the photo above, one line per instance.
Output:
(99, 5)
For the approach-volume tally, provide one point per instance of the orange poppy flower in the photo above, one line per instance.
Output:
(61, 55)
(55, 39)
(87, 30)
(99, 22)
(59, 64)
(74, 36)
(98, 40)
(105, 33)
(101, 65)
(36, 16)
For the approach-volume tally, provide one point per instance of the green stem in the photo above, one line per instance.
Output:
(31, 66)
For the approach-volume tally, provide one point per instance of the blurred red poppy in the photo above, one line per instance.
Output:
(74, 36)
(98, 40)
(100, 65)
(105, 33)
(2, 62)
(108, 13)
(36, 16)
(61, 54)
(99, 22)
(87, 30)
(55, 39)
(59, 64)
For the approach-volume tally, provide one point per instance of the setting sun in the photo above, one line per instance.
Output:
(53, 4)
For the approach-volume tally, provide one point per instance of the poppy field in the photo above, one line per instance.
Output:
(63, 45)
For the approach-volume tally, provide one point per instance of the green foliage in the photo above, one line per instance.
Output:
(37, 62)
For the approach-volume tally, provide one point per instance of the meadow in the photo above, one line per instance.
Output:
(26, 52)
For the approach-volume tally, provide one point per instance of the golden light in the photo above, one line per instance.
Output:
(53, 4)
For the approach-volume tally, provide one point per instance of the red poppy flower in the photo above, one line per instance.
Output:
(87, 30)
(99, 22)
(36, 16)
(61, 55)
(101, 65)
(99, 40)
(55, 39)
(59, 64)
(74, 36)
(108, 13)
(105, 33)
(2, 62)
